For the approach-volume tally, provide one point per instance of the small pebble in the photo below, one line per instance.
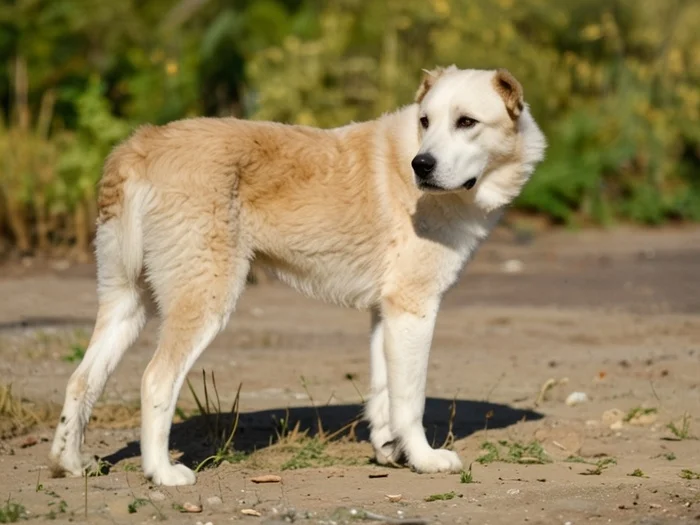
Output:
(191, 507)
(214, 500)
(266, 478)
(513, 266)
(576, 398)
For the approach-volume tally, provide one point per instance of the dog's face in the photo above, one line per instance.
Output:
(467, 123)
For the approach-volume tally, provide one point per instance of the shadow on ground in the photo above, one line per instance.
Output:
(195, 437)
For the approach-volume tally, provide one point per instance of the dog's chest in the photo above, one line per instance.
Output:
(344, 272)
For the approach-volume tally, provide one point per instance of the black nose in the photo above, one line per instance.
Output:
(423, 165)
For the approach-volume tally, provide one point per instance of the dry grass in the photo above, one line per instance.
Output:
(18, 415)
(116, 416)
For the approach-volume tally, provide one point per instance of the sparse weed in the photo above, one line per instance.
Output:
(221, 437)
(599, 466)
(683, 431)
(53, 513)
(490, 453)
(180, 413)
(100, 468)
(12, 512)
(513, 452)
(637, 412)
(311, 454)
(130, 467)
(670, 456)
(637, 473)
(76, 354)
(689, 474)
(135, 504)
(445, 496)
(466, 475)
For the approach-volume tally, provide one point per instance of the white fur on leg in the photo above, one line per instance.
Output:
(407, 341)
(118, 324)
(160, 388)
(377, 408)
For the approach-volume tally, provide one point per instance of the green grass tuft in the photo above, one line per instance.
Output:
(445, 496)
(513, 452)
(12, 512)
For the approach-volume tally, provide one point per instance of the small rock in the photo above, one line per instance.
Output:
(250, 512)
(266, 478)
(513, 492)
(513, 266)
(29, 441)
(394, 498)
(191, 507)
(214, 500)
(576, 398)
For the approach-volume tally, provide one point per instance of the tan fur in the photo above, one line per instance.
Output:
(334, 213)
(510, 90)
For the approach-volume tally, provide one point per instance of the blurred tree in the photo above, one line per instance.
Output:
(614, 83)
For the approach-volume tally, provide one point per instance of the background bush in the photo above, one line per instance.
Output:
(614, 84)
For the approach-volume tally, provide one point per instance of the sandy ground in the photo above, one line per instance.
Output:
(613, 315)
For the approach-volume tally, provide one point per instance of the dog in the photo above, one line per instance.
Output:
(379, 215)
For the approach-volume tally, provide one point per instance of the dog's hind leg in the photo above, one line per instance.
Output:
(197, 266)
(120, 318)
(377, 408)
(194, 316)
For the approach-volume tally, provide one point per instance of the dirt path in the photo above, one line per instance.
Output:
(613, 315)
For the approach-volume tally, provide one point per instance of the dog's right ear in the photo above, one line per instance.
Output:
(429, 79)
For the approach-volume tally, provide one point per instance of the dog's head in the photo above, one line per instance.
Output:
(473, 124)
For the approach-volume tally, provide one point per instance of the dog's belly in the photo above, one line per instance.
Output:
(329, 278)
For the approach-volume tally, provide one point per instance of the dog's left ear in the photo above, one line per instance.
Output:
(429, 79)
(510, 90)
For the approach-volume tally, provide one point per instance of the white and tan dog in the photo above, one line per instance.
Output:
(381, 215)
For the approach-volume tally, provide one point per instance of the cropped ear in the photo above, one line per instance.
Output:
(511, 92)
(429, 80)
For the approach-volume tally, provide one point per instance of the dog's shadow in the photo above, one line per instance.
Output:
(257, 430)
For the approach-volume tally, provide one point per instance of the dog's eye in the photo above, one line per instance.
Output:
(465, 122)
(424, 122)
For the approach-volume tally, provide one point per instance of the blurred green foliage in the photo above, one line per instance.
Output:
(614, 84)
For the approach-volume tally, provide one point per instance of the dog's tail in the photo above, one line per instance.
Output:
(122, 202)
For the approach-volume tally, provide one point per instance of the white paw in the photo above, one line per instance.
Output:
(73, 464)
(386, 451)
(430, 461)
(173, 475)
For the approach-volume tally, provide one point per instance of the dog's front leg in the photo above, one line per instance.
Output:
(377, 408)
(407, 338)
